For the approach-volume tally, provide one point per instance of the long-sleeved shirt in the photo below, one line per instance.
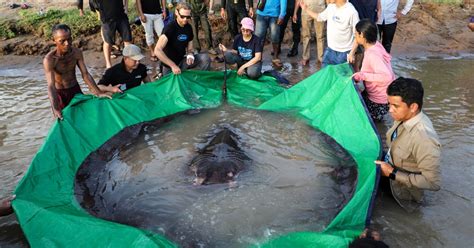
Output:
(378, 73)
(416, 152)
(389, 10)
(274, 8)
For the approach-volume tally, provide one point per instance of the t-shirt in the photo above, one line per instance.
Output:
(178, 39)
(151, 7)
(340, 26)
(118, 75)
(248, 49)
(111, 10)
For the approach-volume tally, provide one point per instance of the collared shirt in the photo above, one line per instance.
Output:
(389, 9)
(117, 74)
(416, 152)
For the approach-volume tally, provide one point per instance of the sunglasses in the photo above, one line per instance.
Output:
(184, 16)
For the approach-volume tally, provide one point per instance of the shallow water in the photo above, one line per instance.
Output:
(289, 184)
(445, 220)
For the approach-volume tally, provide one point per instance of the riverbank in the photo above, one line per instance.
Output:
(429, 29)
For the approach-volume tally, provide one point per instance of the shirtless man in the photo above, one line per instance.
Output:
(60, 70)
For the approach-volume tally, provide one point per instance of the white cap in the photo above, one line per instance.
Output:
(132, 52)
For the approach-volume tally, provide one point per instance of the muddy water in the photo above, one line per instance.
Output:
(445, 220)
(289, 184)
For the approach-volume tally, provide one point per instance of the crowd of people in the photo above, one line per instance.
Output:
(344, 31)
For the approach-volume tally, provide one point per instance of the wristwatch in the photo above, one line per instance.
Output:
(393, 174)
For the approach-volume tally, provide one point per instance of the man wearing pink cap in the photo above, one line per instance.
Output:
(246, 51)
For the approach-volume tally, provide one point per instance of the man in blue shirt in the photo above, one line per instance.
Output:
(270, 13)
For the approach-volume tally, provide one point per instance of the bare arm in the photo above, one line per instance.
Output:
(86, 76)
(138, 3)
(253, 61)
(52, 94)
(310, 12)
(162, 41)
(125, 6)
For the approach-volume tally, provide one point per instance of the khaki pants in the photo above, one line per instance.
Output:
(319, 28)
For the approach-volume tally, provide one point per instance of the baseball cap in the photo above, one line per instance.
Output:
(133, 52)
(247, 23)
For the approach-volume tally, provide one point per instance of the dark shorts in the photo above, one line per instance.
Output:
(377, 111)
(110, 27)
(66, 95)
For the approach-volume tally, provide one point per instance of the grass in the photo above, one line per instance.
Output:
(39, 25)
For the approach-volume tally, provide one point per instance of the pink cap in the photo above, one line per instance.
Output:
(247, 23)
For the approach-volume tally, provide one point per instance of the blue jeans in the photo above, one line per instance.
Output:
(263, 22)
(253, 72)
(332, 57)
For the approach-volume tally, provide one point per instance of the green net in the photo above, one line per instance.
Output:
(48, 211)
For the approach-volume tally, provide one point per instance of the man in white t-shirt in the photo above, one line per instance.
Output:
(341, 17)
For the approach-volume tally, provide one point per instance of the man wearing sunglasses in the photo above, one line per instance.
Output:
(175, 48)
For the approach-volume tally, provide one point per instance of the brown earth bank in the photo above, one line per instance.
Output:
(428, 29)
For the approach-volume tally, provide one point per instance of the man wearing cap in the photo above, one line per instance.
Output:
(246, 51)
(127, 74)
(175, 49)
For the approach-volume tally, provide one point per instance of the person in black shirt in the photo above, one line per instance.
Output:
(127, 74)
(235, 10)
(175, 42)
(151, 13)
(113, 15)
(246, 51)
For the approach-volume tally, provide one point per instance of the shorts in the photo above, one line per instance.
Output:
(110, 27)
(66, 95)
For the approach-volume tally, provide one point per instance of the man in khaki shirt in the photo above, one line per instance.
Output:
(412, 161)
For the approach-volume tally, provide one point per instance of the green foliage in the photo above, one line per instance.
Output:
(7, 29)
(32, 22)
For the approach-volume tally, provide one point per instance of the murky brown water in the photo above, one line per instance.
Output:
(446, 219)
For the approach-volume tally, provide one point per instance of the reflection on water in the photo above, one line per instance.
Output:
(290, 185)
(446, 220)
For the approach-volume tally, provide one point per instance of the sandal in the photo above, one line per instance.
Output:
(154, 58)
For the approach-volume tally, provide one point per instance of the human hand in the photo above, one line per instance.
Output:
(251, 12)
(350, 58)
(384, 167)
(143, 18)
(222, 47)
(164, 14)
(176, 70)
(241, 71)
(359, 76)
(280, 21)
(102, 94)
(294, 18)
(57, 114)
(399, 15)
(189, 59)
(116, 89)
(223, 14)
